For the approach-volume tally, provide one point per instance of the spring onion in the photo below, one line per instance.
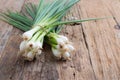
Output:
(42, 23)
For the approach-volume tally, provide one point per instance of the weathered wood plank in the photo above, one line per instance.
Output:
(5, 29)
(9, 37)
(114, 10)
(100, 38)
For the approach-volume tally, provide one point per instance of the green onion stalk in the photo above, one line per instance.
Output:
(42, 23)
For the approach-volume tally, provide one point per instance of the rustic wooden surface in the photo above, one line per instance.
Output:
(97, 55)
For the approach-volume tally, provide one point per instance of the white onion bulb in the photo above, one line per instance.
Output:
(28, 35)
(56, 53)
(23, 45)
(66, 55)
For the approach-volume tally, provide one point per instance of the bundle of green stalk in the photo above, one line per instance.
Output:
(42, 23)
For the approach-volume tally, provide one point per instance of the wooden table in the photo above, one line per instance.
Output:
(97, 55)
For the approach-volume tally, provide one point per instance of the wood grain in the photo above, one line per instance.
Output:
(97, 55)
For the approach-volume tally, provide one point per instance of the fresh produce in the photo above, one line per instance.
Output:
(42, 23)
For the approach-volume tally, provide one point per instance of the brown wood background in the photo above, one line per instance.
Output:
(97, 55)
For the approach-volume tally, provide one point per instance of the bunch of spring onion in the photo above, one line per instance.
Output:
(61, 46)
(42, 23)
